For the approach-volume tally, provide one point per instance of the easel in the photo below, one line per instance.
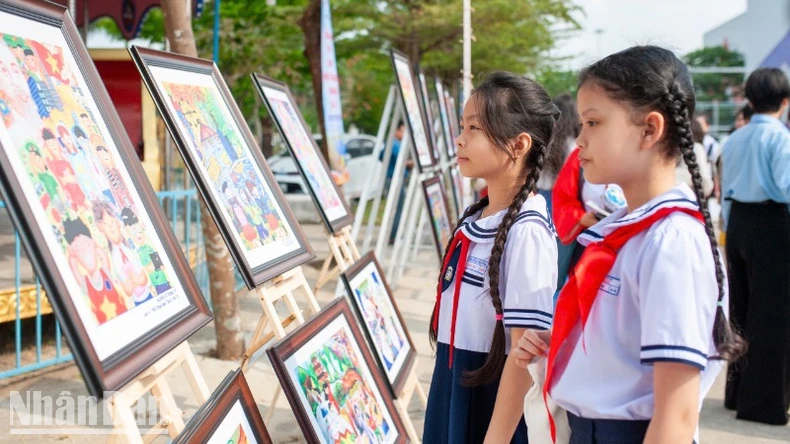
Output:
(393, 113)
(153, 379)
(404, 398)
(281, 287)
(344, 253)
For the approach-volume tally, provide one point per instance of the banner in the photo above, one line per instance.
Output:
(330, 86)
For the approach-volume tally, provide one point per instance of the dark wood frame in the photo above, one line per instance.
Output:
(333, 226)
(449, 140)
(286, 347)
(396, 385)
(206, 420)
(426, 105)
(437, 178)
(458, 195)
(452, 114)
(120, 368)
(253, 277)
(415, 83)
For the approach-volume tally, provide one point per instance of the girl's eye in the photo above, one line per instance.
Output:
(591, 124)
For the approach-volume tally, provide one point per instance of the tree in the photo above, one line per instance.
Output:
(429, 32)
(227, 319)
(715, 86)
(557, 82)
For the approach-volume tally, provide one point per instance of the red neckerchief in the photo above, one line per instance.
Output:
(578, 295)
(448, 273)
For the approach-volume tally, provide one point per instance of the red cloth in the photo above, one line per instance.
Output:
(577, 296)
(566, 208)
(460, 240)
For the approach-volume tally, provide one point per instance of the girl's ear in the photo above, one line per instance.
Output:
(653, 129)
(522, 146)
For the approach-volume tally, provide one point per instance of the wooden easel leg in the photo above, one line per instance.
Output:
(273, 405)
(403, 408)
(168, 408)
(195, 379)
(324, 276)
(123, 421)
(254, 346)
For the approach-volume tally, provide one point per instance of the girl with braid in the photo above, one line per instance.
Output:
(640, 330)
(499, 271)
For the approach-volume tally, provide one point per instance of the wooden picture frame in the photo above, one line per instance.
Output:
(231, 412)
(415, 119)
(251, 213)
(309, 160)
(447, 131)
(452, 114)
(426, 105)
(315, 365)
(374, 304)
(438, 211)
(457, 184)
(110, 264)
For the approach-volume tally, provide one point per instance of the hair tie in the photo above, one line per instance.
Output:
(720, 303)
(499, 317)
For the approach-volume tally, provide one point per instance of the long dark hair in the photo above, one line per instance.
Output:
(649, 78)
(508, 105)
(568, 127)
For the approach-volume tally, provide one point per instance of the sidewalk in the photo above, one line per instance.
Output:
(415, 296)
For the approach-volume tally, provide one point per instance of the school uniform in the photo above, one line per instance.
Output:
(657, 303)
(465, 323)
(756, 211)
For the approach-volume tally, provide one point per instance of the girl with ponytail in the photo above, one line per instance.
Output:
(499, 271)
(641, 328)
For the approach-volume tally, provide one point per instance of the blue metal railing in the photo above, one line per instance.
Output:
(182, 208)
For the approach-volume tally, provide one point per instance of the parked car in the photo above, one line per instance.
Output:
(359, 162)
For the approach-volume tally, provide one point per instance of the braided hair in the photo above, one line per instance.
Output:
(651, 78)
(508, 105)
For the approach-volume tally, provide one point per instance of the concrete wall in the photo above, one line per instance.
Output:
(755, 32)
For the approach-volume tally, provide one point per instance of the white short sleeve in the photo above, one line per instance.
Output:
(530, 276)
(678, 294)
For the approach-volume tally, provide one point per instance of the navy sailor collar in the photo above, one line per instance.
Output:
(483, 231)
(680, 196)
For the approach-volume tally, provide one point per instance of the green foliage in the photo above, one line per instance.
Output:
(557, 82)
(257, 37)
(715, 86)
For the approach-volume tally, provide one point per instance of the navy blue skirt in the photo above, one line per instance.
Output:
(456, 413)
(607, 431)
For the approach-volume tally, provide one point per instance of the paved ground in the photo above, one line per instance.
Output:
(415, 296)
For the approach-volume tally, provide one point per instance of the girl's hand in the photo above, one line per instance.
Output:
(588, 220)
(531, 344)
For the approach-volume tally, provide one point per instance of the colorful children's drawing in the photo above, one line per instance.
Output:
(381, 320)
(103, 235)
(298, 138)
(247, 200)
(413, 111)
(340, 393)
(439, 216)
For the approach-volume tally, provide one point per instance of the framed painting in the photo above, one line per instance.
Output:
(93, 228)
(381, 320)
(311, 164)
(407, 86)
(452, 114)
(457, 183)
(438, 212)
(230, 416)
(221, 154)
(426, 104)
(447, 132)
(332, 383)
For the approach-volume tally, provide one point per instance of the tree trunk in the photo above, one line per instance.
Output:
(267, 132)
(310, 22)
(227, 319)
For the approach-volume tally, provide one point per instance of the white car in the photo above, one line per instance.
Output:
(359, 162)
